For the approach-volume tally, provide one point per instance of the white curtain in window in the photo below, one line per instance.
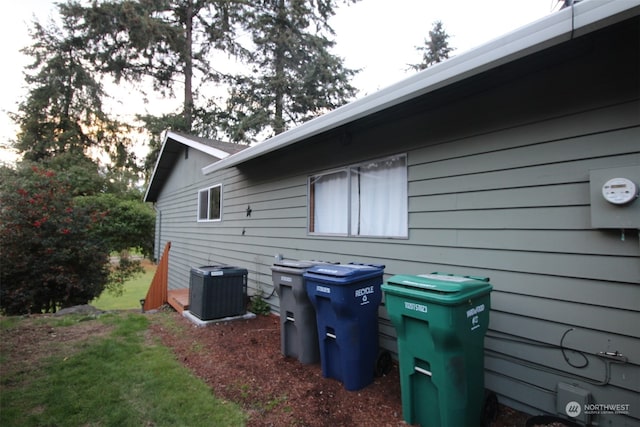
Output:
(379, 198)
(331, 200)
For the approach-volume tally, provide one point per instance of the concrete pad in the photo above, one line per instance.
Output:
(200, 323)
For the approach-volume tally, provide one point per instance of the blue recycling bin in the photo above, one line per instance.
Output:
(346, 299)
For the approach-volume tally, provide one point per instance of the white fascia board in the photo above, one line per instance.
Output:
(188, 142)
(537, 36)
(592, 15)
(155, 167)
(215, 152)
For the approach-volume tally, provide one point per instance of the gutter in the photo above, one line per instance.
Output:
(557, 28)
(158, 231)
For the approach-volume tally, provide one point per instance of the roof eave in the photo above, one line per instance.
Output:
(215, 152)
(551, 30)
(169, 135)
(155, 168)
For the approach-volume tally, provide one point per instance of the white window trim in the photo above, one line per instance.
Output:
(208, 190)
(348, 169)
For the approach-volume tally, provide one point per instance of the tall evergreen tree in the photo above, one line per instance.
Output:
(63, 110)
(436, 47)
(293, 75)
(64, 137)
(167, 41)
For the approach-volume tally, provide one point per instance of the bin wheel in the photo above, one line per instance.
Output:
(490, 408)
(383, 363)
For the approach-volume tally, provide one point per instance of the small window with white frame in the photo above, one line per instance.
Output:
(210, 204)
(367, 199)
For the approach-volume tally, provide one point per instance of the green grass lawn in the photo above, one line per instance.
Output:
(134, 290)
(114, 376)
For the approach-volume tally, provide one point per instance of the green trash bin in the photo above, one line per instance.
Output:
(441, 320)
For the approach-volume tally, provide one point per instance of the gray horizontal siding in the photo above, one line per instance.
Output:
(538, 390)
(504, 197)
(613, 117)
(539, 175)
(579, 147)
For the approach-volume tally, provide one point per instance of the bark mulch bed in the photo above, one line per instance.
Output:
(241, 361)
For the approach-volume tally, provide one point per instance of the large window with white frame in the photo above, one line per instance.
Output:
(366, 199)
(210, 204)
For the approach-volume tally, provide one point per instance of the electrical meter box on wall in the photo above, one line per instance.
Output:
(614, 197)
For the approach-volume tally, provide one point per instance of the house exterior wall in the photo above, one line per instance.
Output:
(176, 217)
(498, 185)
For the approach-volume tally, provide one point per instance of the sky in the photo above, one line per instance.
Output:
(378, 37)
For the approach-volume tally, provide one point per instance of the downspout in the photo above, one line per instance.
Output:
(158, 230)
(573, 17)
(571, 4)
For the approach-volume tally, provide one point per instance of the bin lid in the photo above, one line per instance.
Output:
(301, 264)
(218, 270)
(442, 287)
(293, 267)
(345, 272)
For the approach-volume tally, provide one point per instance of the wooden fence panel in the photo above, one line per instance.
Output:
(157, 293)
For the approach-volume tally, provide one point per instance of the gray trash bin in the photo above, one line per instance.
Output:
(298, 328)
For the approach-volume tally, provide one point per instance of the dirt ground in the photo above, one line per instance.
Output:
(242, 362)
